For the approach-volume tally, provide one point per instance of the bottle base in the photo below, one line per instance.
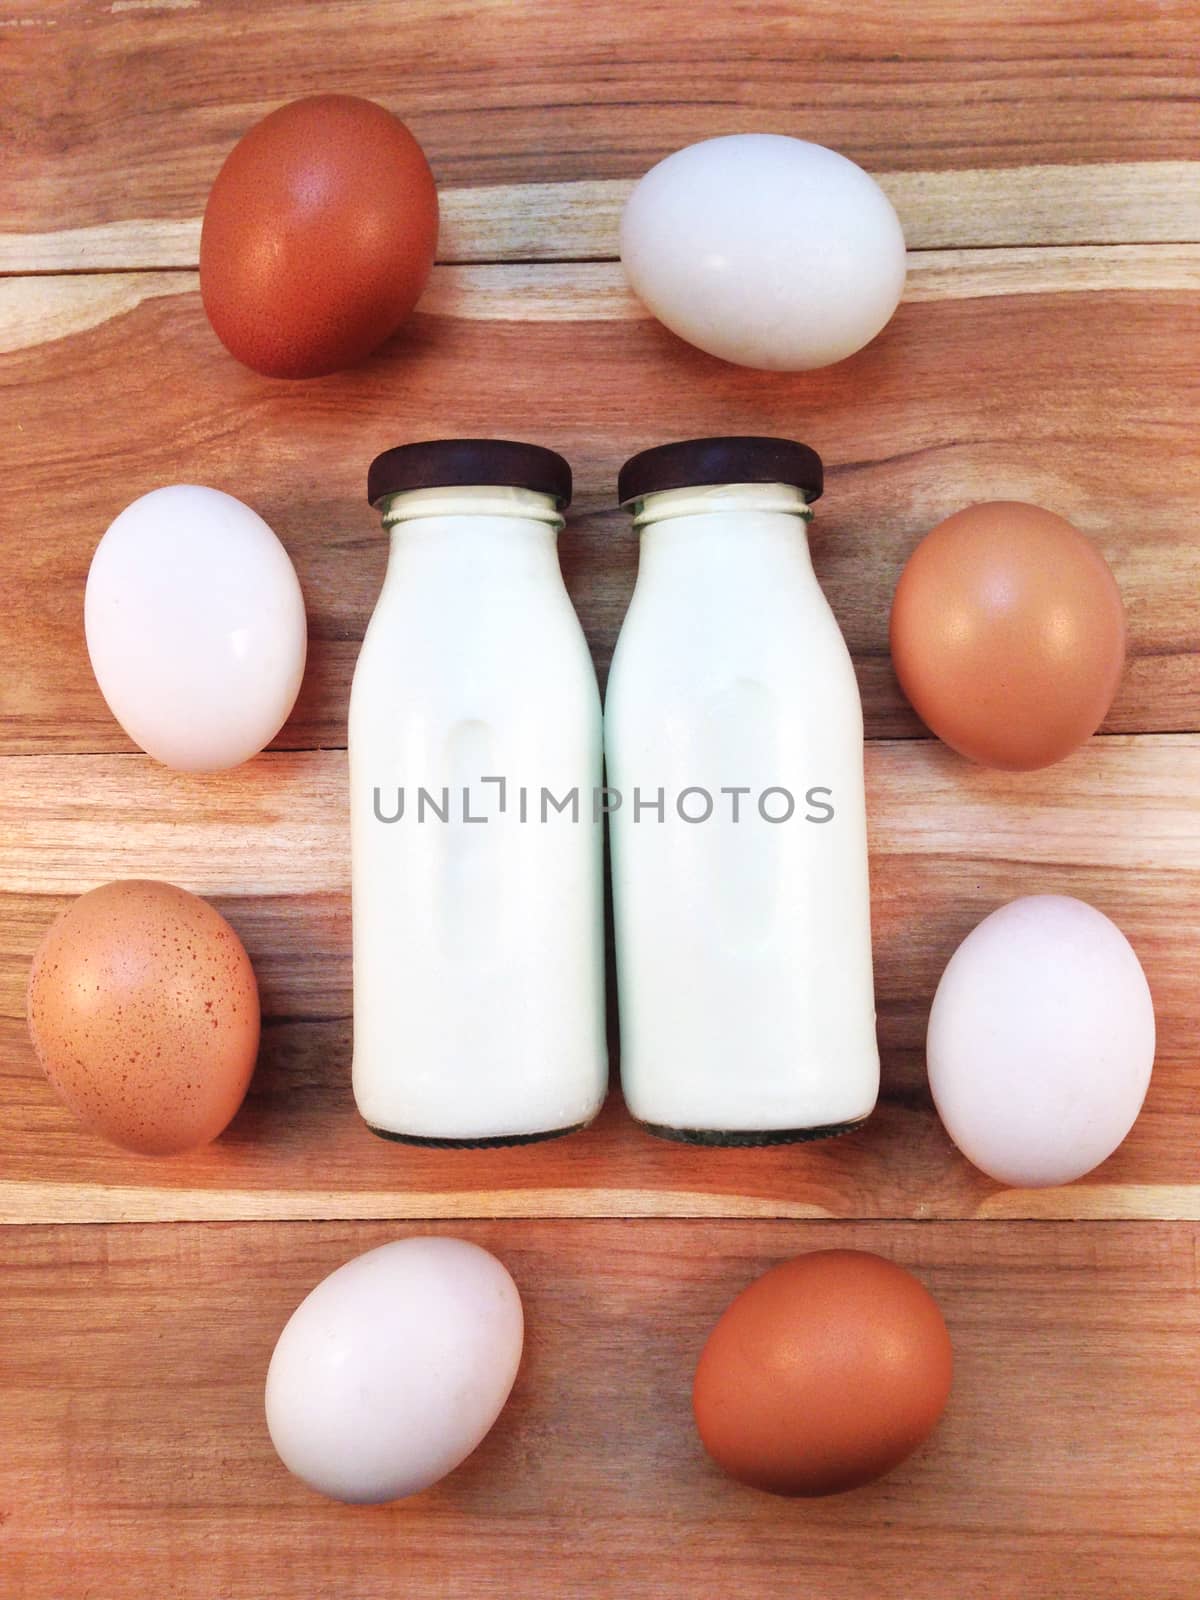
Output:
(498, 1141)
(740, 1138)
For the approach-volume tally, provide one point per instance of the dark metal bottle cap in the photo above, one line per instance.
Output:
(694, 462)
(469, 463)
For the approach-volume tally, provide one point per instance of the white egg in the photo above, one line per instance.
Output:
(766, 251)
(1041, 1041)
(394, 1368)
(196, 629)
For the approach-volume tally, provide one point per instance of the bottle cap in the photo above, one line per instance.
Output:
(469, 463)
(691, 463)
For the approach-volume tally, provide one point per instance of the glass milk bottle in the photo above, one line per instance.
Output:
(475, 751)
(734, 742)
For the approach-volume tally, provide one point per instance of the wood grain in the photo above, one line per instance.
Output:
(1083, 400)
(137, 1461)
(1129, 202)
(128, 112)
(1115, 824)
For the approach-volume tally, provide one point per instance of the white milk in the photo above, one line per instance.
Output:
(743, 949)
(478, 945)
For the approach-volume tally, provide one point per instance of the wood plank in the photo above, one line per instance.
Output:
(41, 310)
(128, 111)
(1115, 824)
(1126, 203)
(1083, 401)
(137, 1461)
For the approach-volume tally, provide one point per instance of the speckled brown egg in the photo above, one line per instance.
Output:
(143, 1010)
(318, 237)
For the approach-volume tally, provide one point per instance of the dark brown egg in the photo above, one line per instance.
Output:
(1008, 635)
(143, 1010)
(319, 236)
(823, 1375)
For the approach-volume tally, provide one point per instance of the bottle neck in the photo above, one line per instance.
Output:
(475, 503)
(474, 539)
(734, 500)
(741, 540)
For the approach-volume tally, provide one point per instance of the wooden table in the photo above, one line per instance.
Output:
(1043, 158)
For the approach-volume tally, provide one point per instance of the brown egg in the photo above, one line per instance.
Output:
(1008, 635)
(143, 1010)
(319, 236)
(823, 1375)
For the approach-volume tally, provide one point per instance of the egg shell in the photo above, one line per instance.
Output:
(196, 627)
(1008, 635)
(318, 237)
(391, 1372)
(823, 1375)
(1041, 1041)
(766, 251)
(143, 1010)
